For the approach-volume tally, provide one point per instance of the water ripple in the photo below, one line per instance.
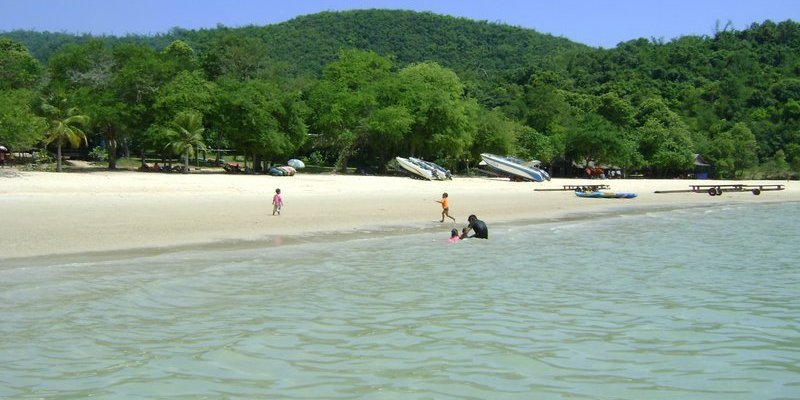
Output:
(650, 307)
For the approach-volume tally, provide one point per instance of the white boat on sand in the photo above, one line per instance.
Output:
(438, 172)
(423, 169)
(515, 168)
(420, 171)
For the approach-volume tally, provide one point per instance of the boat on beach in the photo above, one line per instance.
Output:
(514, 168)
(419, 170)
(439, 172)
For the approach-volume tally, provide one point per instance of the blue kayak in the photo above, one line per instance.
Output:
(606, 195)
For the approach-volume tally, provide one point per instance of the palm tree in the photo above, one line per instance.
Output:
(186, 135)
(64, 125)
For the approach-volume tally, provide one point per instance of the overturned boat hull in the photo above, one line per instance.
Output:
(414, 168)
(514, 169)
(437, 171)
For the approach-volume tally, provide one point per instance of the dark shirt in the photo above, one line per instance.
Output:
(480, 229)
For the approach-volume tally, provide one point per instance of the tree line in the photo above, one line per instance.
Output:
(358, 88)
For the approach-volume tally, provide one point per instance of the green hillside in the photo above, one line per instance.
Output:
(357, 78)
(309, 42)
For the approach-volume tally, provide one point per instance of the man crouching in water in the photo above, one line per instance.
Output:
(481, 231)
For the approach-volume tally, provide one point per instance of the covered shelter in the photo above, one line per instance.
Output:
(701, 168)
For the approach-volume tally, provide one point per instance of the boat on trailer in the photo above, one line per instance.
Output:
(514, 168)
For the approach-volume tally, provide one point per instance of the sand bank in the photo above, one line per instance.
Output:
(50, 213)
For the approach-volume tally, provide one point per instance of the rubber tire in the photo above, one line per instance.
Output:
(712, 191)
(756, 192)
(719, 191)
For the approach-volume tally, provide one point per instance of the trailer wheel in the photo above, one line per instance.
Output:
(719, 191)
(712, 191)
(756, 192)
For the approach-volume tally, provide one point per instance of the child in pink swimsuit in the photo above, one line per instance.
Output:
(277, 202)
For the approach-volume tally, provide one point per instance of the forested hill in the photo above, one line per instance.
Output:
(461, 44)
(445, 88)
(309, 42)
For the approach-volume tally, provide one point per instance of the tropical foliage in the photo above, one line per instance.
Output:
(64, 125)
(186, 136)
(360, 87)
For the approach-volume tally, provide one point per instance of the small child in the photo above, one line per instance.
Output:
(454, 236)
(277, 202)
(445, 207)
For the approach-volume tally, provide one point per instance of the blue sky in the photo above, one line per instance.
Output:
(599, 23)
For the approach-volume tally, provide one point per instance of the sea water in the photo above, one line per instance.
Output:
(698, 303)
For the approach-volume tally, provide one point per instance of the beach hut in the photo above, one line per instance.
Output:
(701, 168)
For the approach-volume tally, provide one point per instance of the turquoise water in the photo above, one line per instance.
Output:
(700, 303)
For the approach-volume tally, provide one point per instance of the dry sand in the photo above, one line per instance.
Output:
(49, 213)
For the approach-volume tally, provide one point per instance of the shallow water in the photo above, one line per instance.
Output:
(698, 303)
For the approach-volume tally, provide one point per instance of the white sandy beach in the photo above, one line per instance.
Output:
(50, 213)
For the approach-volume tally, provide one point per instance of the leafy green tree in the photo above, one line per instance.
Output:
(734, 150)
(138, 75)
(547, 109)
(259, 118)
(793, 156)
(781, 165)
(20, 127)
(616, 110)
(495, 133)
(595, 139)
(347, 99)
(534, 145)
(18, 68)
(667, 149)
(64, 126)
(178, 57)
(435, 97)
(186, 136)
(113, 86)
(86, 65)
(186, 91)
(235, 55)
(387, 127)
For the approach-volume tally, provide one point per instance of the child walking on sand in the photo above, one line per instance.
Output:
(445, 207)
(277, 202)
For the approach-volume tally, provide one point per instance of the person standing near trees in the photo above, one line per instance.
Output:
(445, 207)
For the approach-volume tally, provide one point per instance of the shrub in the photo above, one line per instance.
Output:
(98, 153)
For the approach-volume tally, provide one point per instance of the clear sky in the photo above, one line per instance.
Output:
(599, 23)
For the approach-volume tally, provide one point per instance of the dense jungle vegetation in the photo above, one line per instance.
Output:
(360, 87)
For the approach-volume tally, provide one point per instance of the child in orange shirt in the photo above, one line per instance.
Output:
(445, 207)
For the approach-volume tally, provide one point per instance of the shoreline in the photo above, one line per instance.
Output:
(103, 213)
